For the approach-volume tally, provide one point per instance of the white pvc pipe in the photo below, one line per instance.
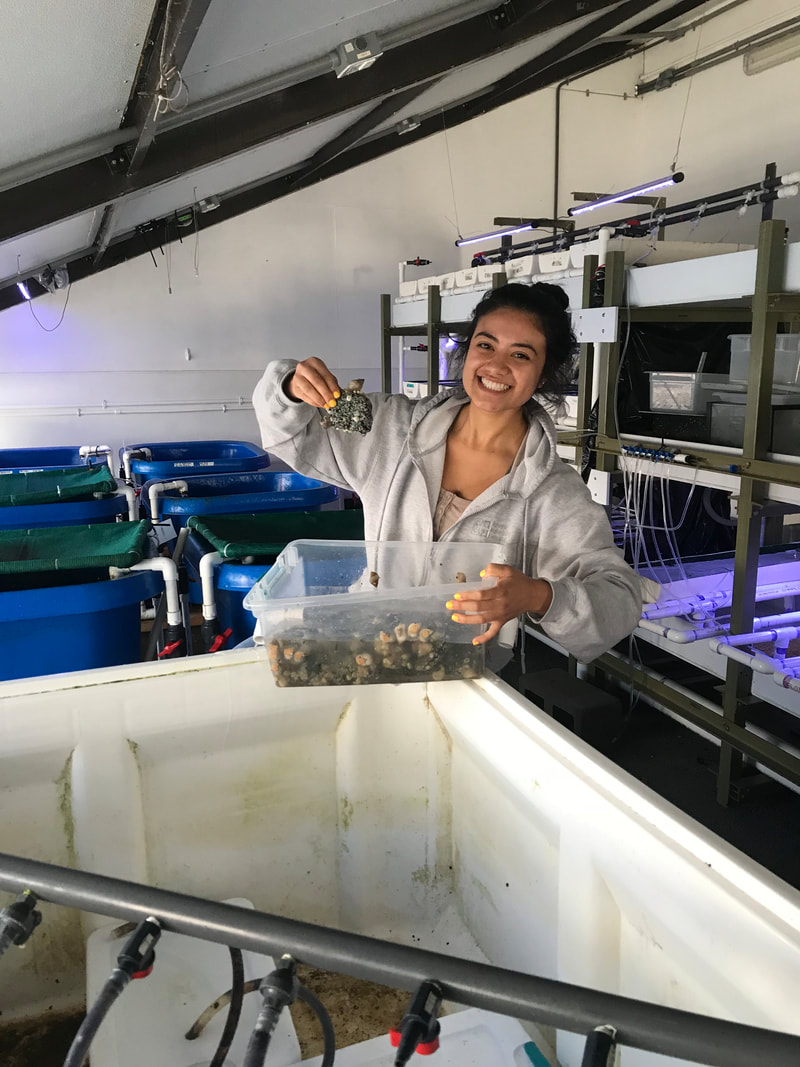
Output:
(127, 455)
(97, 450)
(681, 637)
(686, 605)
(169, 573)
(787, 632)
(133, 507)
(207, 564)
(754, 662)
(785, 681)
(604, 236)
(161, 487)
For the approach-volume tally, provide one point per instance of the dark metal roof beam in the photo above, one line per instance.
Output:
(353, 134)
(87, 185)
(180, 23)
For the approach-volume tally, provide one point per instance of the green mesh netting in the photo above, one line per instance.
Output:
(55, 548)
(55, 486)
(268, 533)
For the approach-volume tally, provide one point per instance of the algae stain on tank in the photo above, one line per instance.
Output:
(64, 786)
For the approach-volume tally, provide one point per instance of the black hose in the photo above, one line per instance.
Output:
(234, 1011)
(79, 1048)
(257, 1046)
(321, 1013)
(714, 514)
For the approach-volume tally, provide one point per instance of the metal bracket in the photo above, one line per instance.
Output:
(503, 16)
(119, 159)
(596, 324)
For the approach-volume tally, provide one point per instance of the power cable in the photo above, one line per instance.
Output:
(41, 325)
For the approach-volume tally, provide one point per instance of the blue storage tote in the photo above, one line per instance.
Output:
(20, 459)
(59, 611)
(174, 459)
(257, 538)
(228, 494)
(59, 496)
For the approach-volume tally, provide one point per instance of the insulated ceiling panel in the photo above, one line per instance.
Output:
(245, 40)
(68, 74)
(51, 244)
(269, 160)
(467, 81)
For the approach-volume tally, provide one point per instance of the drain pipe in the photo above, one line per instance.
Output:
(162, 487)
(97, 450)
(130, 496)
(209, 628)
(169, 573)
(133, 453)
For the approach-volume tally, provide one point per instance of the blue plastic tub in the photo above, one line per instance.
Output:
(24, 459)
(73, 627)
(175, 459)
(74, 513)
(236, 494)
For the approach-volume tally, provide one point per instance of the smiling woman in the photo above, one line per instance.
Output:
(477, 463)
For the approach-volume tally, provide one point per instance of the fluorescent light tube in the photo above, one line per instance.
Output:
(637, 190)
(23, 288)
(494, 235)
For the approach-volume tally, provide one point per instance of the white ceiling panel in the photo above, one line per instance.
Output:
(258, 164)
(51, 244)
(68, 75)
(468, 80)
(245, 40)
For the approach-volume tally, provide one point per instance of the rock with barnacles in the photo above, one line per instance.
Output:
(353, 411)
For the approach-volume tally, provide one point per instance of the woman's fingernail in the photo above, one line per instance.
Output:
(475, 641)
(483, 574)
(454, 618)
(456, 596)
(332, 404)
(449, 605)
(337, 395)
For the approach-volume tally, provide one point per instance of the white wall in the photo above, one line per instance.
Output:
(302, 276)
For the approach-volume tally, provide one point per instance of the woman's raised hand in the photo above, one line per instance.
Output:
(313, 382)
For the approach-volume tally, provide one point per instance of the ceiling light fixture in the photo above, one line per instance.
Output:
(765, 56)
(515, 226)
(23, 288)
(637, 190)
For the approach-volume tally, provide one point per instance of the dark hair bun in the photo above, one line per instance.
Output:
(553, 292)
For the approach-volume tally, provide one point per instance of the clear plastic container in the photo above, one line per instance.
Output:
(787, 358)
(676, 391)
(367, 612)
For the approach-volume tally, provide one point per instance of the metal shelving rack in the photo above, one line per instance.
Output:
(750, 474)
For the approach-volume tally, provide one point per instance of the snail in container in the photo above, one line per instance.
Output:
(353, 411)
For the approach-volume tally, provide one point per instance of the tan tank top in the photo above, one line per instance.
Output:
(449, 509)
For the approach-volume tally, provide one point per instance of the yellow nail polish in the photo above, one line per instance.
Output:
(475, 641)
(337, 395)
(483, 574)
(449, 605)
(456, 596)
(454, 618)
(332, 404)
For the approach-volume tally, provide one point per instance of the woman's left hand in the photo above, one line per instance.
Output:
(514, 594)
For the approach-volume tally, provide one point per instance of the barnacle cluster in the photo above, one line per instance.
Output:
(353, 410)
(402, 652)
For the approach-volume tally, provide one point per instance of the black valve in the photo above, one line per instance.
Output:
(419, 1030)
(18, 920)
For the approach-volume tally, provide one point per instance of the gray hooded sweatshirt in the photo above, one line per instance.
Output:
(540, 512)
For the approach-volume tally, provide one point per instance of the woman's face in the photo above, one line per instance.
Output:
(505, 360)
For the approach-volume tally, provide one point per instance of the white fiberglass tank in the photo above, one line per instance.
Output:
(454, 816)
